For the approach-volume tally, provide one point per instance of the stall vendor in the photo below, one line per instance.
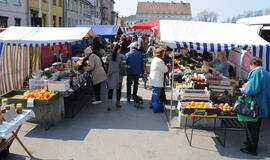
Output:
(220, 64)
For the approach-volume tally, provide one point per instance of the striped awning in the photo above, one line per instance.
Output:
(43, 36)
(205, 36)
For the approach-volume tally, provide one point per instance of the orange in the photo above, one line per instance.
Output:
(202, 103)
(192, 103)
(197, 103)
(201, 106)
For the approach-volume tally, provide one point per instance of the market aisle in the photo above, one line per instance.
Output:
(126, 133)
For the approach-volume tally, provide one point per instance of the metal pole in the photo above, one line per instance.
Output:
(172, 80)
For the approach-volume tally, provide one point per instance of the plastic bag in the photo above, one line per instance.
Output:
(158, 107)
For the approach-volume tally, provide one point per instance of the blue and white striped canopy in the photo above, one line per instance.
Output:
(207, 36)
(43, 36)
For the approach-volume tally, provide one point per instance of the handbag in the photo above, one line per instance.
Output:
(248, 109)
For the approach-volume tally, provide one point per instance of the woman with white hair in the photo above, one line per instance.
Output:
(97, 71)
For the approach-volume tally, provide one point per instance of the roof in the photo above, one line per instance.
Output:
(208, 36)
(132, 17)
(104, 30)
(164, 8)
(44, 36)
(255, 20)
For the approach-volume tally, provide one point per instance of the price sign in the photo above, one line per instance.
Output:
(30, 102)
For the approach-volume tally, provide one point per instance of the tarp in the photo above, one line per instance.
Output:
(106, 31)
(261, 20)
(208, 36)
(145, 25)
(43, 36)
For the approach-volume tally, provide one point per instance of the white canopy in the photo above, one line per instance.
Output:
(208, 36)
(43, 36)
(261, 20)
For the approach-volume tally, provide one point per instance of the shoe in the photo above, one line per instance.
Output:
(108, 109)
(128, 100)
(97, 102)
(150, 107)
(118, 105)
(247, 151)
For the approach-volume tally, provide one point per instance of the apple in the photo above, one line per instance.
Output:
(216, 105)
(221, 94)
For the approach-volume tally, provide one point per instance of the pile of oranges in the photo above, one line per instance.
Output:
(38, 94)
(198, 105)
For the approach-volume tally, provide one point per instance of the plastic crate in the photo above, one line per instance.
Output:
(37, 84)
(60, 86)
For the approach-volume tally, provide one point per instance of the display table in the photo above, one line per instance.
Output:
(227, 123)
(13, 127)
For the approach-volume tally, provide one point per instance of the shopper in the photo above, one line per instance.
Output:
(97, 45)
(156, 77)
(220, 64)
(124, 44)
(97, 71)
(141, 44)
(257, 86)
(135, 66)
(114, 75)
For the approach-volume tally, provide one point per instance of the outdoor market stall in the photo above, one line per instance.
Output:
(20, 58)
(208, 37)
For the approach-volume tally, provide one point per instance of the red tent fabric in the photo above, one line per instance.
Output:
(145, 25)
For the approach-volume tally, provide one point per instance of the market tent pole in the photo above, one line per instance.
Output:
(172, 80)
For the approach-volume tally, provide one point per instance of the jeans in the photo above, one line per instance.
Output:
(118, 93)
(155, 95)
(132, 79)
(97, 88)
(253, 130)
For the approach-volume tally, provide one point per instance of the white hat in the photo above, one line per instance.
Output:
(133, 45)
(88, 50)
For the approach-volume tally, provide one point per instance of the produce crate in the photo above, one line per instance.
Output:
(14, 96)
(37, 84)
(59, 86)
(197, 111)
(194, 94)
(201, 86)
(219, 88)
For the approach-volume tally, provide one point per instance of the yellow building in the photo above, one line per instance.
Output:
(46, 13)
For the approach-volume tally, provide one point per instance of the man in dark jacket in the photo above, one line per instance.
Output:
(124, 44)
(135, 65)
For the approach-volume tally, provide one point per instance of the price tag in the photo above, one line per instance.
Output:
(30, 102)
(10, 115)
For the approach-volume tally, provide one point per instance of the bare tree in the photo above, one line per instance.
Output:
(246, 14)
(207, 16)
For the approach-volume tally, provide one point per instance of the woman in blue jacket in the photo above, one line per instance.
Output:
(257, 86)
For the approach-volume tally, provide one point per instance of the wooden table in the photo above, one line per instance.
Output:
(13, 127)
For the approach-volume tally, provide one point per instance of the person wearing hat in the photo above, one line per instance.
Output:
(97, 71)
(135, 66)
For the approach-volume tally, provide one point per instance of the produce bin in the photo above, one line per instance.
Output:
(15, 96)
(59, 86)
(37, 84)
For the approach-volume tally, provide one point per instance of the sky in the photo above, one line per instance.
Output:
(225, 8)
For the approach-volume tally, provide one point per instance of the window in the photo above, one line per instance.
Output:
(54, 21)
(3, 22)
(17, 22)
(44, 20)
(17, 2)
(60, 21)
(60, 3)
(44, 1)
(3, 1)
(54, 2)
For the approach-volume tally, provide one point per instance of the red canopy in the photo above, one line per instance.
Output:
(145, 25)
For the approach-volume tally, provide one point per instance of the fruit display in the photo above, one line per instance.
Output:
(197, 105)
(218, 97)
(197, 108)
(225, 109)
(195, 78)
(38, 94)
(177, 61)
(185, 85)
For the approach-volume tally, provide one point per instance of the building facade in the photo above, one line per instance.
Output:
(14, 13)
(267, 12)
(147, 11)
(78, 12)
(106, 11)
(46, 13)
(130, 20)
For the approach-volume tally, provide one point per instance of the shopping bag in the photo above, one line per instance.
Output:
(158, 107)
(246, 108)
(242, 118)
